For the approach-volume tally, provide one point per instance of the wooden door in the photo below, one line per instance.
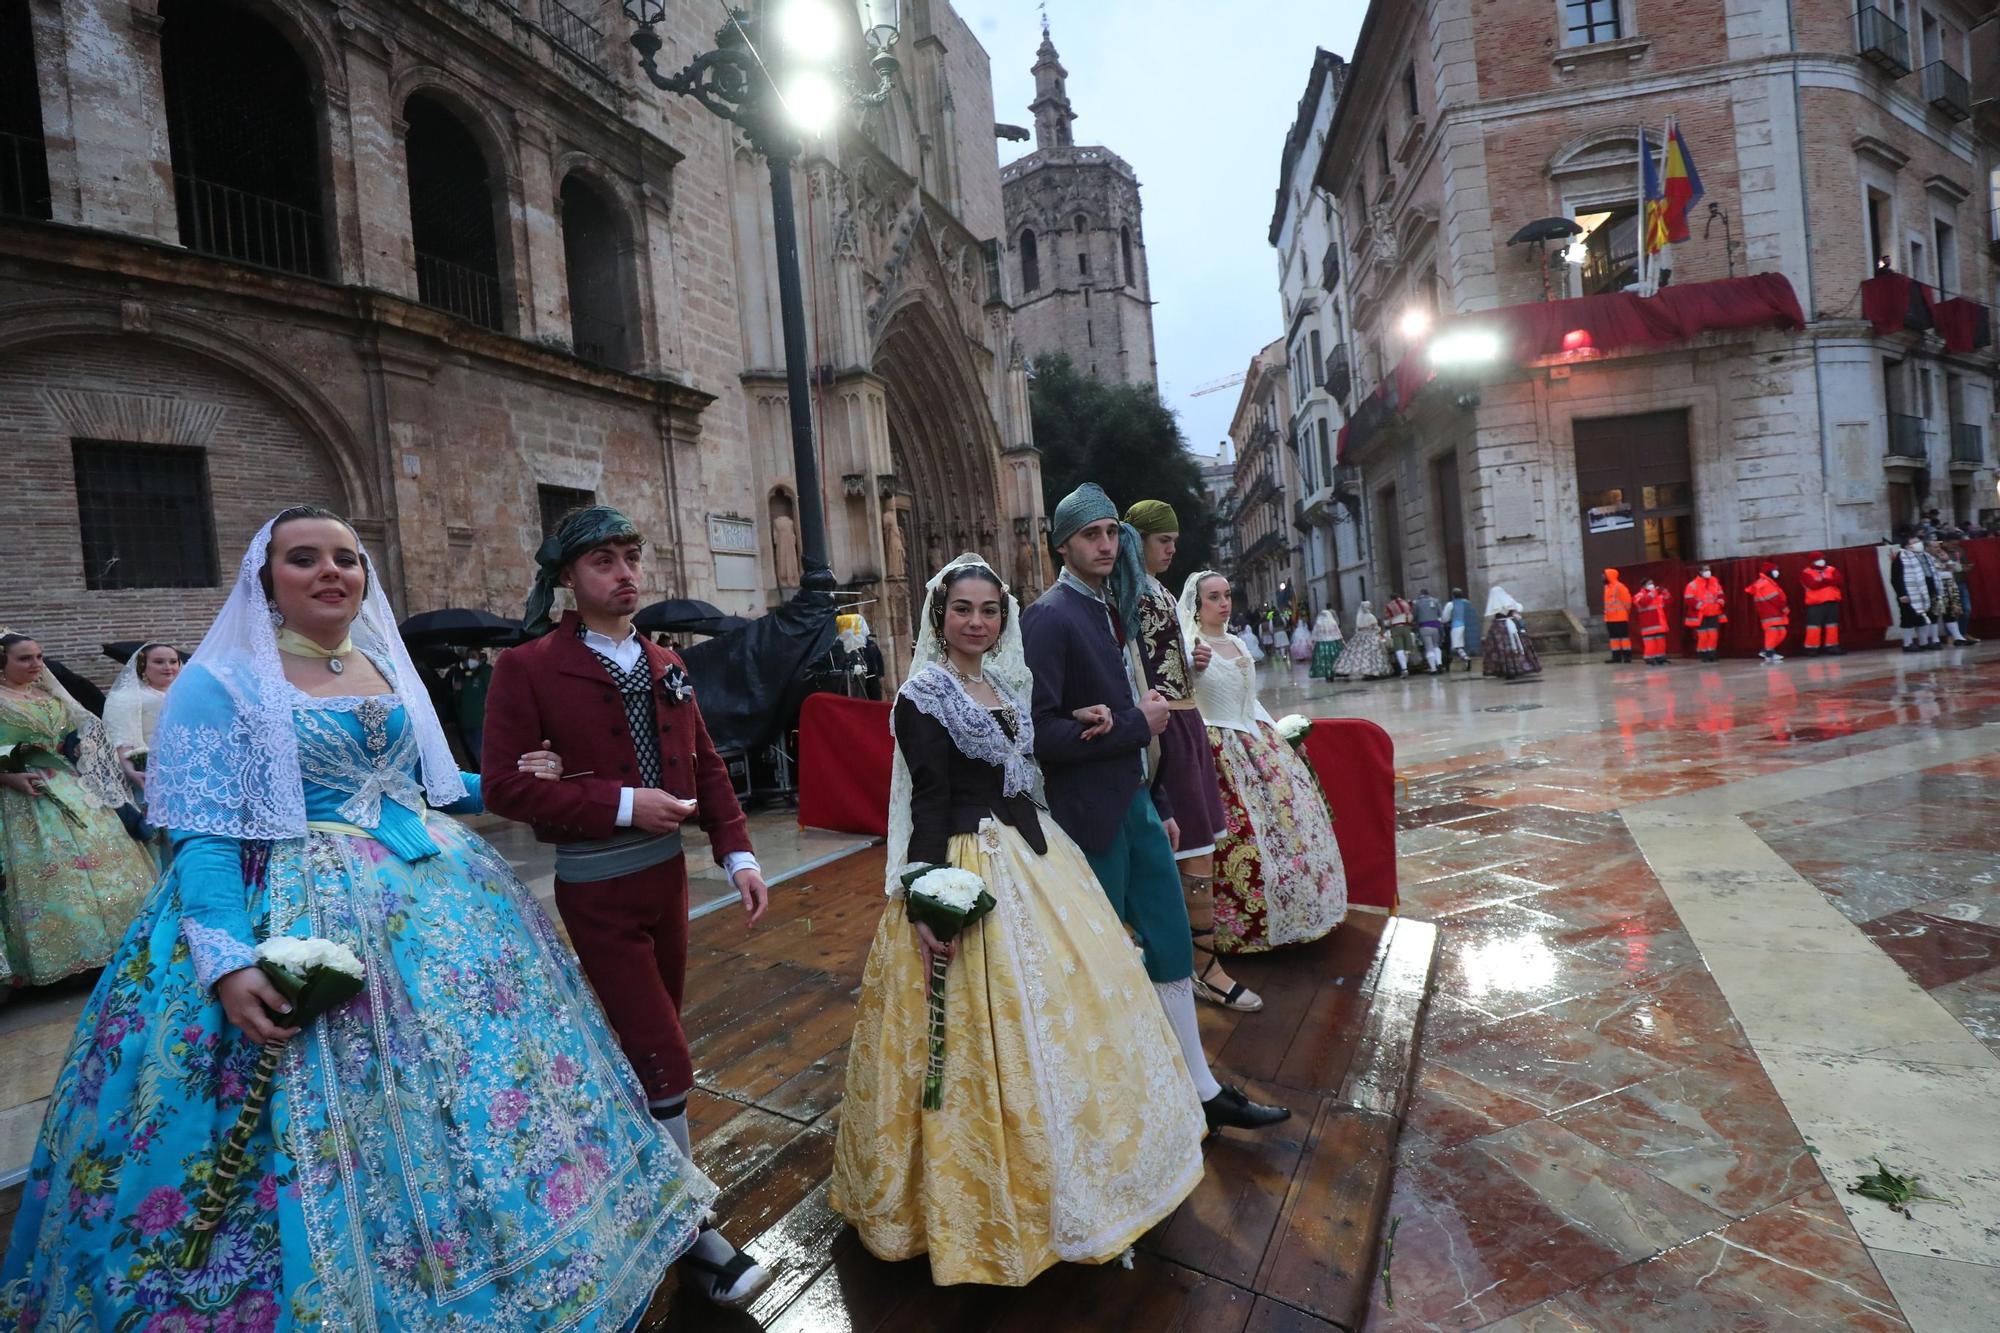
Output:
(1635, 492)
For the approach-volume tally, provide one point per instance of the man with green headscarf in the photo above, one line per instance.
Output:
(1094, 719)
(1187, 763)
(621, 712)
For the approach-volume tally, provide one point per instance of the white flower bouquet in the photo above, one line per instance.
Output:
(947, 900)
(316, 977)
(1293, 727)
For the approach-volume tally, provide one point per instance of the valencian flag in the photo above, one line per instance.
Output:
(1672, 188)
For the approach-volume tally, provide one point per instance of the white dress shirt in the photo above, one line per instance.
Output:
(626, 652)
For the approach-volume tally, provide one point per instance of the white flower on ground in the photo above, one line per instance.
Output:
(958, 890)
(300, 956)
(1294, 725)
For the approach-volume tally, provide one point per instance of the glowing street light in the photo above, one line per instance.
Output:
(1465, 348)
(1416, 322)
(794, 83)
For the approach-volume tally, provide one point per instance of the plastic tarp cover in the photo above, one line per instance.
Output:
(752, 681)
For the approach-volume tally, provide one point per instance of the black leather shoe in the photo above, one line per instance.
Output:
(1230, 1109)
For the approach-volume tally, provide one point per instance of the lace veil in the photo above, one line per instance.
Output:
(125, 702)
(936, 691)
(1500, 602)
(97, 769)
(1191, 603)
(226, 755)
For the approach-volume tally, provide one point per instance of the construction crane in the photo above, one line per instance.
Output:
(1217, 386)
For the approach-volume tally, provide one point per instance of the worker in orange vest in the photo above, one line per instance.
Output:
(1617, 617)
(1705, 612)
(1773, 613)
(1649, 606)
(1823, 594)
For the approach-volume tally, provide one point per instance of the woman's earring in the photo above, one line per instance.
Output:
(277, 616)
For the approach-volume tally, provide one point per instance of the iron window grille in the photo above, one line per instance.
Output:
(145, 515)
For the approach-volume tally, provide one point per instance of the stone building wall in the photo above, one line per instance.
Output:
(433, 432)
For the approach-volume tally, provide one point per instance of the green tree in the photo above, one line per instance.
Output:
(1125, 439)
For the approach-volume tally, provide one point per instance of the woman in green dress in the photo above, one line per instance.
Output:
(75, 878)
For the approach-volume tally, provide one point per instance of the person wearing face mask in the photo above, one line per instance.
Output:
(1823, 590)
(1649, 610)
(471, 677)
(1774, 614)
(1705, 613)
(1914, 579)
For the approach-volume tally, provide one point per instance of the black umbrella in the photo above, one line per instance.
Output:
(675, 615)
(121, 650)
(458, 626)
(711, 625)
(1546, 229)
(83, 691)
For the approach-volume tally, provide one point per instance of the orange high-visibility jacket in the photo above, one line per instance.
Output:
(1769, 599)
(1617, 598)
(1651, 605)
(1703, 598)
(1821, 585)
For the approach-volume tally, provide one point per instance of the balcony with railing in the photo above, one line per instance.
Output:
(1339, 375)
(1907, 437)
(1968, 444)
(234, 224)
(572, 31)
(466, 292)
(1946, 89)
(1882, 42)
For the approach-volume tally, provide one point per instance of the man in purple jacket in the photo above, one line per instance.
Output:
(1093, 723)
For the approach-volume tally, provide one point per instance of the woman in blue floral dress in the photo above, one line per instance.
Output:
(462, 1146)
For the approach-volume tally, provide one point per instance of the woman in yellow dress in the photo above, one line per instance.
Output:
(75, 878)
(1069, 1124)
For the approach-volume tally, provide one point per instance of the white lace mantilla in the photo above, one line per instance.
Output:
(375, 765)
(939, 696)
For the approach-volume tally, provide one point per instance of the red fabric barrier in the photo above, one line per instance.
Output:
(1356, 764)
(844, 754)
(1864, 610)
(1620, 319)
(1982, 582)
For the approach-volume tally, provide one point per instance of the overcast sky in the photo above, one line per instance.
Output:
(1198, 98)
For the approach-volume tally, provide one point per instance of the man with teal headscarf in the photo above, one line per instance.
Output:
(621, 712)
(1094, 721)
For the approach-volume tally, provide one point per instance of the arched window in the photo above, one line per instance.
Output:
(1125, 249)
(243, 132)
(1082, 224)
(24, 163)
(594, 263)
(1031, 263)
(451, 214)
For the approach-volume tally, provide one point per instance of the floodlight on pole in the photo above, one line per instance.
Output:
(1465, 348)
(1416, 322)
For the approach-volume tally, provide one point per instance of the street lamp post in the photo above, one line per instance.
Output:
(774, 92)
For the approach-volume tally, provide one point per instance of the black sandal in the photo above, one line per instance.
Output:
(1238, 997)
(727, 1275)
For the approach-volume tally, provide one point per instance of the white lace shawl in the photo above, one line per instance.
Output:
(127, 704)
(1006, 670)
(226, 754)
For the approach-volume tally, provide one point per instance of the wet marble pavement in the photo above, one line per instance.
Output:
(1712, 940)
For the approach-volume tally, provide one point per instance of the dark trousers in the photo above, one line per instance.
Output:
(631, 935)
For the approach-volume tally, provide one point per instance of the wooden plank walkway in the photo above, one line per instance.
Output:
(1279, 1237)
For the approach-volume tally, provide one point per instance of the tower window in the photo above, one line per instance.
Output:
(1083, 262)
(1031, 263)
(1125, 249)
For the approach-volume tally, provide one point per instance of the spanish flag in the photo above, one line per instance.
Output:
(1672, 188)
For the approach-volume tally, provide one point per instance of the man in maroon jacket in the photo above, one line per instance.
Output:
(638, 763)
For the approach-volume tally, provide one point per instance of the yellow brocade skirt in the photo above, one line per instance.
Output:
(1069, 1125)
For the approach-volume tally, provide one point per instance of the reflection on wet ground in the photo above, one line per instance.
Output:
(1595, 1141)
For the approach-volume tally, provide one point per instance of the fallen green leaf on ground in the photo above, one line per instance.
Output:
(1389, 1257)
(1896, 1191)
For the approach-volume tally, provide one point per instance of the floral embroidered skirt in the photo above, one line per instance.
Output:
(1069, 1124)
(1510, 650)
(1278, 874)
(461, 1146)
(1367, 655)
(72, 888)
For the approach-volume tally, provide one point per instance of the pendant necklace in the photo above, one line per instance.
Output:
(297, 644)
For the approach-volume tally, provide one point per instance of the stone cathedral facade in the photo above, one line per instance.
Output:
(1076, 251)
(451, 268)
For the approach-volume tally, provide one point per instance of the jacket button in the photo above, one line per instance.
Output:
(624, 768)
(672, 760)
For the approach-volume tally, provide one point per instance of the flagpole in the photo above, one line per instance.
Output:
(1640, 231)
